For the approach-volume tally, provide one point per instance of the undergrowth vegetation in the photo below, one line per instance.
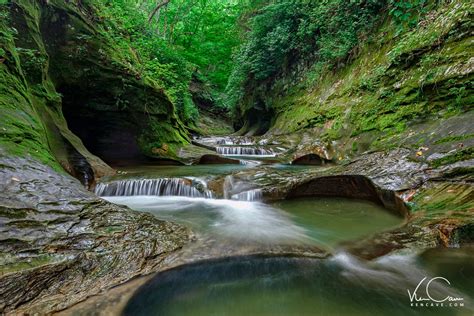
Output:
(179, 42)
(351, 67)
(285, 36)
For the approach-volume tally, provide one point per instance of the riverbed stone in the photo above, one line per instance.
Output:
(61, 244)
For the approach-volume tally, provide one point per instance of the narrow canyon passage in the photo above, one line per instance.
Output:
(236, 157)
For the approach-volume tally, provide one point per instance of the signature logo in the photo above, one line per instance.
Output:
(432, 298)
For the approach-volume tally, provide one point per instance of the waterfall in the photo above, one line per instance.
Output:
(240, 141)
(230, 186)
(157, 187)
(224, 142)
(244, 151)
(227, 186)
(251, 195)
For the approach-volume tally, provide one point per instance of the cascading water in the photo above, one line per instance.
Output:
(242, 221)
(157, 187)
(244, 151)
(187, 187)
(251, 195)
(226, 141)
(227, 186)
(236, 190)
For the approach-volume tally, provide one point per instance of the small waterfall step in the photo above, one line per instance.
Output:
(244, 151)
(213, 142)
(156, 187)
(251, 195)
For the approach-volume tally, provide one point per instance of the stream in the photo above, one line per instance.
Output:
(280, 285)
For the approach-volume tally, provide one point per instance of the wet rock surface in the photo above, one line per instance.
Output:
(436, 202)
(60, 243)
(191, 154)
(310, 159)
(113, 302)
(62, 239)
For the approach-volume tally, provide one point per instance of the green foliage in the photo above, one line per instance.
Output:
(407, 12)
(182, 38)
(284, 34)
(204, 33)
(127, 26)
(32, 62)
(7, 33)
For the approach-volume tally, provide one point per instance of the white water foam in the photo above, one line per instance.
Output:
(244, 151)
(157, 187)
(240, 220)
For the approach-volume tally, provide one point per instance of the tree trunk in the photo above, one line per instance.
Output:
(157, 8)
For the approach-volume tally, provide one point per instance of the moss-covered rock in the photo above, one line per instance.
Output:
(395, 82)
(59, 243)
(60, 71)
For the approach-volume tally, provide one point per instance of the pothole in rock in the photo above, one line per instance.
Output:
(341, 285)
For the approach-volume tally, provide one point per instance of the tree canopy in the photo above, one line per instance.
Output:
(233, 45)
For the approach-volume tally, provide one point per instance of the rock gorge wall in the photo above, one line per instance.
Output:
(62, 77)
(397, 86)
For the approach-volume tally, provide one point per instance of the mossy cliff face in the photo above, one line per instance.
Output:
(398, 113)
(56, 237)
(397, 85)
(61, 72)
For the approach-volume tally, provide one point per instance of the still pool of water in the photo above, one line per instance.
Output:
(321, 221)
(284, 286)
(333, 220)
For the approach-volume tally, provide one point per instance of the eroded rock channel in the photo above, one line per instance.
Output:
(266, 227)
(341, 175)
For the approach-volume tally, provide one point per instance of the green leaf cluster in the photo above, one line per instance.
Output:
(185, 39)
(287, 33)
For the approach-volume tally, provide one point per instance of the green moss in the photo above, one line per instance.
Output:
(21, 130)
(463, 172)
(453, 138)
(36, 60)
(13, 213)
(355, 147)
(438, 199)
(464, 154)
(26, 224)
(9, 265)
(397, 80)
(112, 229)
